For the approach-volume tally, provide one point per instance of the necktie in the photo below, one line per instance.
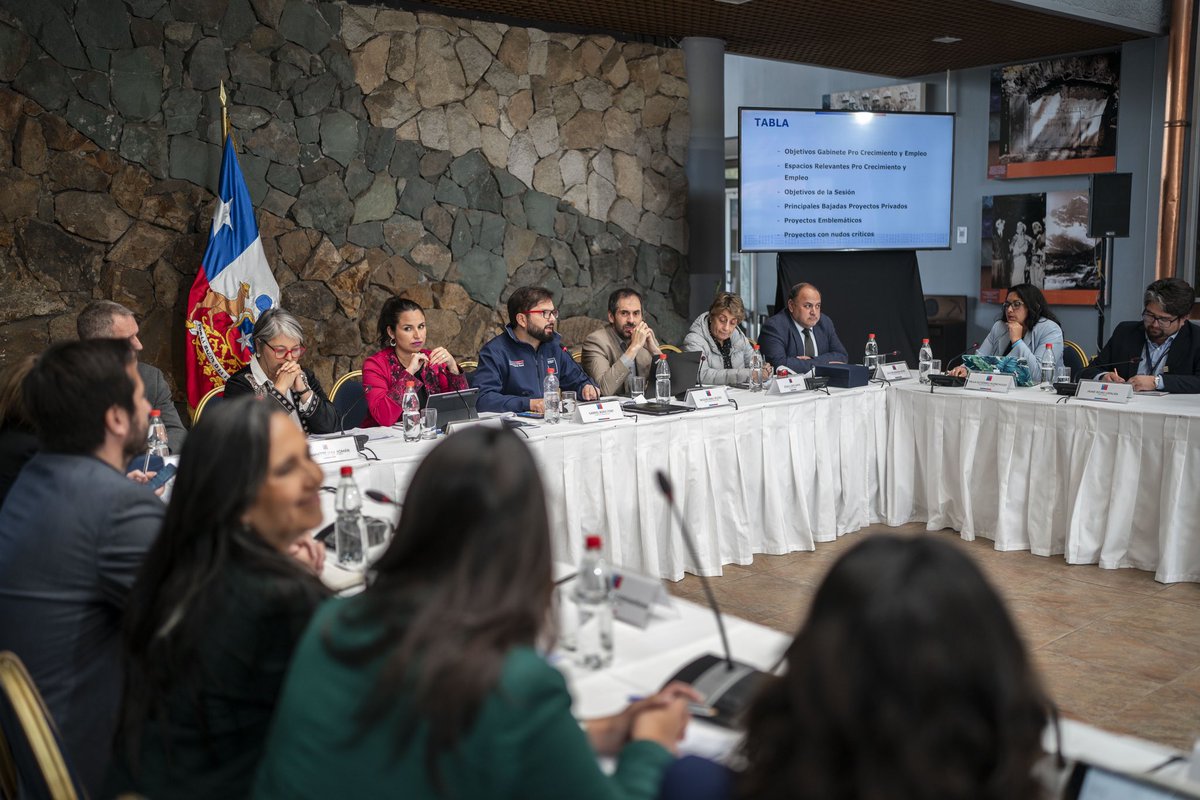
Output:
(810, 347)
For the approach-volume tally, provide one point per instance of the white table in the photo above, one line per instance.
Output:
(645, 659)
(1109, 484)
(774, 475)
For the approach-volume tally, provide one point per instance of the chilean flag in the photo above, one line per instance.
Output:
(233, 286)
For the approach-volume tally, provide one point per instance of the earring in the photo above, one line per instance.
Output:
(391, 341)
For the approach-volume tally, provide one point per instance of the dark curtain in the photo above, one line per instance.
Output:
(871, 292)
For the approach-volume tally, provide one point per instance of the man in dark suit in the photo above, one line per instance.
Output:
(104, 319)
(799, 336)
(73, 533)
(1162, 351)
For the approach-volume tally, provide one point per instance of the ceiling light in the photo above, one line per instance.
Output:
(948, 39)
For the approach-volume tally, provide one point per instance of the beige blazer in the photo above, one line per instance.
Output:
(602, 361)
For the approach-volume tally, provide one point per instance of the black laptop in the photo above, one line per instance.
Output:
(685, 372)
(454, 406)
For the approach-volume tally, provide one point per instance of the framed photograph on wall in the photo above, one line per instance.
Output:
(1040, 239)
(899, 97)
(1054, 117)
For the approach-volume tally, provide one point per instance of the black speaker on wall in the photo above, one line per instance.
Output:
(1108, 204)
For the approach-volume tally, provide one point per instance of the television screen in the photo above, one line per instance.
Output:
(844, 180)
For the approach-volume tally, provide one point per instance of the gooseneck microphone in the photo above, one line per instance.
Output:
(380, 497)
(727, 685)
(946, 366)
(1105, 367)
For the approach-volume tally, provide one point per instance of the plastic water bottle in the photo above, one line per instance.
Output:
(156, 436)
(662, 380)
(925, 361)
(348, 531)
(871, 354)
(593, 599)
(410, 414)
(1048, 364)
(551, 396)
(756, 371)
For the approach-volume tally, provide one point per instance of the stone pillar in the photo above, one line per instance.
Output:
(705, 169)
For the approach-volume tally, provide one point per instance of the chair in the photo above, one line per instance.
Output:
(670, 348)
(577, 353)
(30, 754)
(348, 393)
(215, 394)
(1074, 358)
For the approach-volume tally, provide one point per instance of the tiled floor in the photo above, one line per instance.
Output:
(1115, 648)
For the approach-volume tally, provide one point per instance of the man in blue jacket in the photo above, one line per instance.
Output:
(513, 365)
(798, 336)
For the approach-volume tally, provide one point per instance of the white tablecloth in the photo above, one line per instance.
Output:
(1113, 485)
(1109, 484)
(774, 475)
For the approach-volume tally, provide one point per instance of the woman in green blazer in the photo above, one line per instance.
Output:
(429, 683)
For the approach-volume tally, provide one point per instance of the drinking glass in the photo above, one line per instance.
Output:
(568, 404)
(429, 423)
(1062, 374)
(935, 368)
(636, 385)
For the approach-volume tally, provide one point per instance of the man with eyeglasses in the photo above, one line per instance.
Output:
(274, 372)
(104, 319)
(799, 336)
(513, 365)
(1162, 350)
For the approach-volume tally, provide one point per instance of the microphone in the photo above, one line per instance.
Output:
(726, 685)
(342, 419)
(1104, 367)
(946, 366)
(380, 497)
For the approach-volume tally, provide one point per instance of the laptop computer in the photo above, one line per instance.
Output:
(685, 373)
(1007, 365)
(454, 406)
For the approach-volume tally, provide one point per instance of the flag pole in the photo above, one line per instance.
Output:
(225, 116)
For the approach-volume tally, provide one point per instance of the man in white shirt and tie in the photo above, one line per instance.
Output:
(799, 336)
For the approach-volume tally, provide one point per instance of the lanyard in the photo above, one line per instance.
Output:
(1154, 365)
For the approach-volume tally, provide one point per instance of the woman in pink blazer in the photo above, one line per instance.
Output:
(405, 358)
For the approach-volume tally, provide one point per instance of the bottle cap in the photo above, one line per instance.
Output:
(591, 542)
(1049, 346)
(409, 384)
(347, 471)
(756, 345)
(549, 370)
(924, 341)
(870, 336)
(154, 412)
(662, 356)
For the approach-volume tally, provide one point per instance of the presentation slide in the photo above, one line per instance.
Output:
(841, 180)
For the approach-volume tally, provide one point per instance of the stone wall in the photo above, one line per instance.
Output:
(449, 160)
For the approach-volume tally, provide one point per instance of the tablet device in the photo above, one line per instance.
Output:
(454, 406)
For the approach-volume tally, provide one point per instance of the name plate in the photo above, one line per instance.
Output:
(597, 412)
(326, 451)
(787, 384)
(991, 382)
(1104, 392)
(710, 397)
(634, 597)
(896, 371)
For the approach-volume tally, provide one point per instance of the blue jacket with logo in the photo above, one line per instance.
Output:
(511, 372)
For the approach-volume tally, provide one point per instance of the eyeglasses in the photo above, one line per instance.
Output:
(1015, 305)
(284, 352)
(1149, 318)
(547, 313)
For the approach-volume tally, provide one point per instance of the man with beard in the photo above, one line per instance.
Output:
(626, 347)
(1159, 352)
(513, 365)
(73, 532)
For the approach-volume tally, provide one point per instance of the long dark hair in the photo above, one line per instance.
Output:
(178, 592)
(389, 315)
(466, 578)
(907, 681)
(1036, 307)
